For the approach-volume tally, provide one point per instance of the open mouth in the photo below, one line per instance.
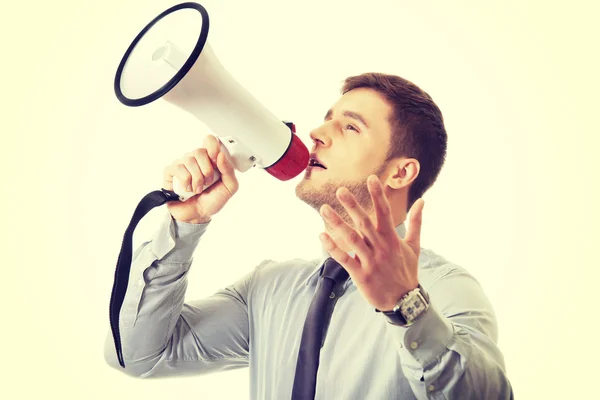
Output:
(313, 162)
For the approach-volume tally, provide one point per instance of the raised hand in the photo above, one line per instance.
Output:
(385, 266)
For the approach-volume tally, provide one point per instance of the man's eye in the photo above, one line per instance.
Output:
(351, 127)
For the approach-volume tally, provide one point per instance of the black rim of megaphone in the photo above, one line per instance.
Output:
(180, 74)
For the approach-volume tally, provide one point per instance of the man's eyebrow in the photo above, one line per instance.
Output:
(350, 114)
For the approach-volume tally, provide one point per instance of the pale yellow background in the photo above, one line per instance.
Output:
(516, 203)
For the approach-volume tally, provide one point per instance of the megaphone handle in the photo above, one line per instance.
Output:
(235, 157)
(185, 195)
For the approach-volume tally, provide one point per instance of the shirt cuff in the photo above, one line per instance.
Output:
(176, 241)
(426, 340)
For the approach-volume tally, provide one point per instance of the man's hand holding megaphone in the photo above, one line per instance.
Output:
(196, 170)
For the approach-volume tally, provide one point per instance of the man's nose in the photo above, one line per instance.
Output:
(322, 135)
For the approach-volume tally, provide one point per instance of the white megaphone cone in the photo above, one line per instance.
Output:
(171, 59)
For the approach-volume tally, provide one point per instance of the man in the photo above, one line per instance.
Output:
(401, 323)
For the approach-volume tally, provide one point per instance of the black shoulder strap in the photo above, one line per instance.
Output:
(151, 200)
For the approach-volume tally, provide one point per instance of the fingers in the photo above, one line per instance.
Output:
(362, 221)
(350, 235)
(227, 170)
(212, 145)
(350, 264)
(196, 169)
(383, 212)
(201, 169)
(413, 234)
(179, 171)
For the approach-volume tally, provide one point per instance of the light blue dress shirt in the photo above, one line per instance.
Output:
(449, 353)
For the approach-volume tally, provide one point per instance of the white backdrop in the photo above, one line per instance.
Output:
(516, 203)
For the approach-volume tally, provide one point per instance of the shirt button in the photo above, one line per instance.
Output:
(332, 295)
(414, 345)
(431, 388)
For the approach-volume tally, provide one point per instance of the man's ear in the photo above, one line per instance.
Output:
(403, 172)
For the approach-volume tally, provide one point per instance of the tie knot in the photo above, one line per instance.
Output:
(333, 270)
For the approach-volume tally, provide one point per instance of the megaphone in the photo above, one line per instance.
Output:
(172, 59)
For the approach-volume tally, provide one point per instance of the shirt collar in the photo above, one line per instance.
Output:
(400, 229)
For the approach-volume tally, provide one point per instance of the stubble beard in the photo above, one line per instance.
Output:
(316, 197)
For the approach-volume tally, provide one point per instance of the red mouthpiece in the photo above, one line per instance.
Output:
(293, 162)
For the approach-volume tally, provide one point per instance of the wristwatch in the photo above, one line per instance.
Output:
(409, 308)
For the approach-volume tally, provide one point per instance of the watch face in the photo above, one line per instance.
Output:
(413, 306)
(412, 309)
(409, 309)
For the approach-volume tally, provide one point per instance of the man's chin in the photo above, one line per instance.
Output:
(307, 180)
(314, 194)
(302, 187)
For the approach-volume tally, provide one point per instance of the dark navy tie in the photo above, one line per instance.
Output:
(312, 334)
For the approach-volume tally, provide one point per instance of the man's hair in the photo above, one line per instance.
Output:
(417, 126)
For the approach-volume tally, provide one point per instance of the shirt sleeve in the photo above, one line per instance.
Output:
(163, 335)
(451, 351)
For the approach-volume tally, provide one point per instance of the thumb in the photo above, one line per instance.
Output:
(413, 235)
(225, 166)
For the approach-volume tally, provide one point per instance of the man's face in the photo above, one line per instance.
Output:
(350, 150)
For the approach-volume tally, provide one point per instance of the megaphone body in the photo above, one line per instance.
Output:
(172, 59)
